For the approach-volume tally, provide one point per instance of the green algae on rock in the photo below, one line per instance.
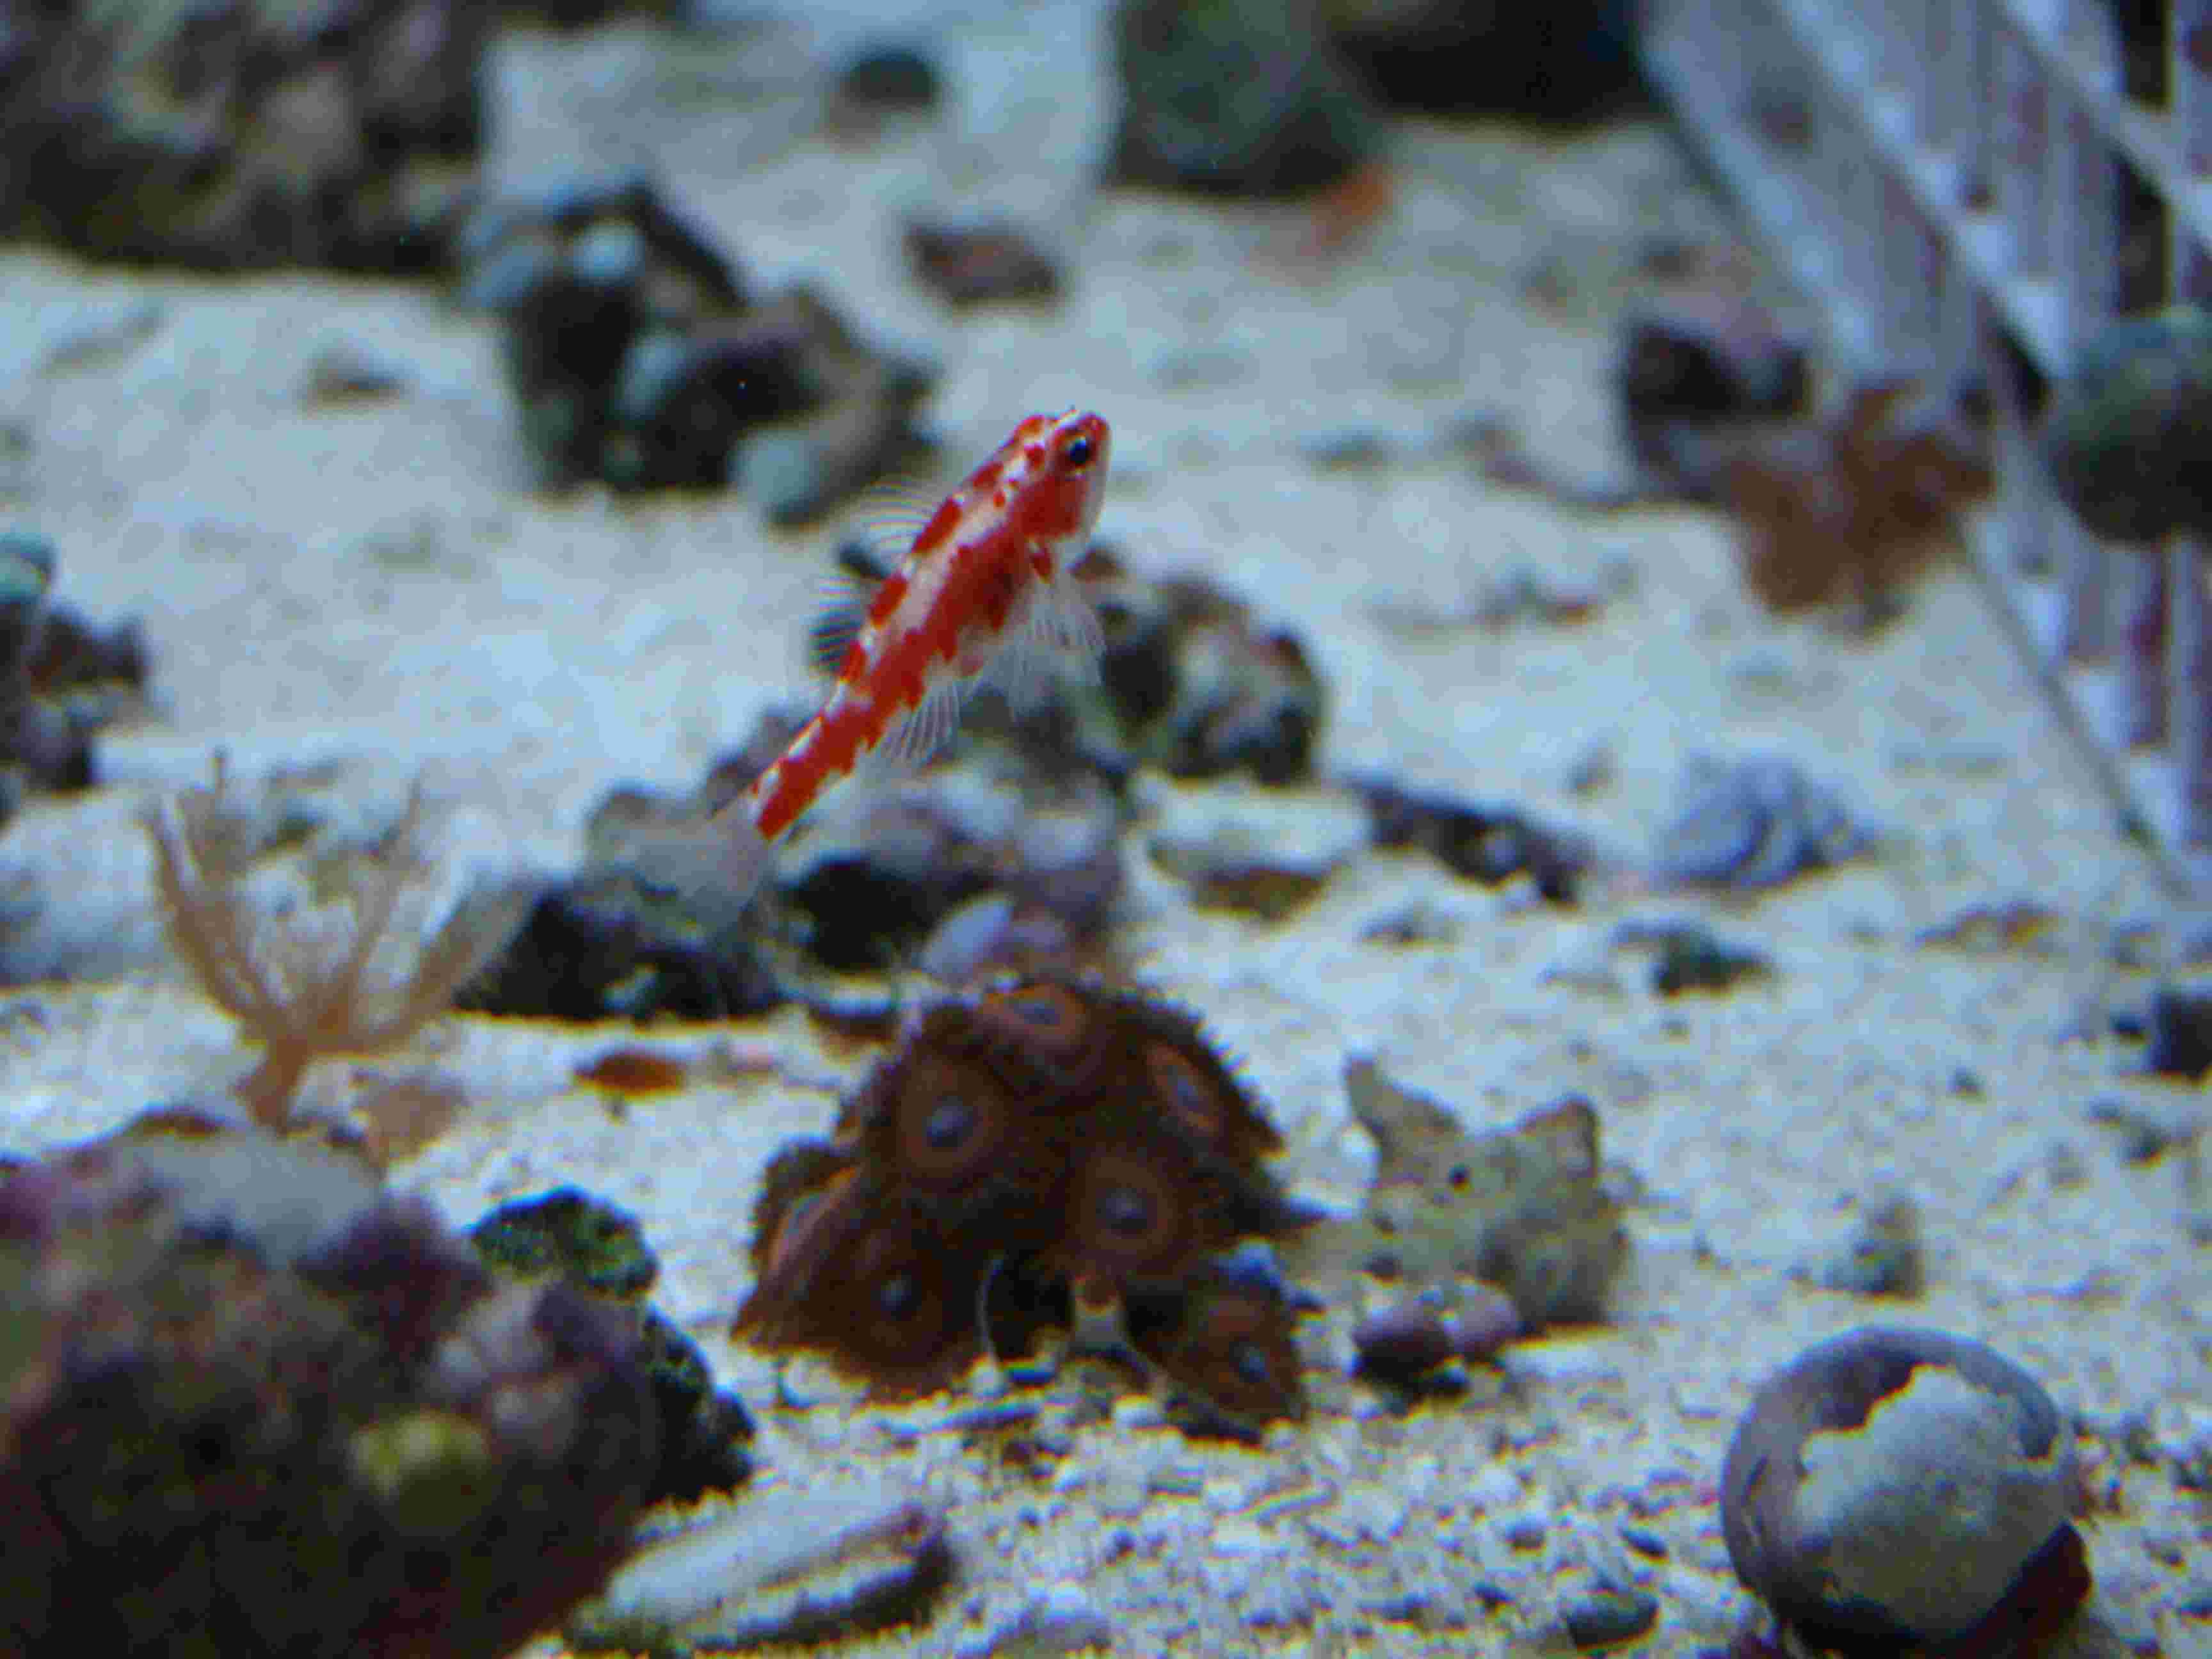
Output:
(573, 1234)
(568, 1230)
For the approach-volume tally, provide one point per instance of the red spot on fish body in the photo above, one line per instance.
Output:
(940, 527)
(883, 607)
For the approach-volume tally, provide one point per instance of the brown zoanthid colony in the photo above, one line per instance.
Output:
(1046, 1153)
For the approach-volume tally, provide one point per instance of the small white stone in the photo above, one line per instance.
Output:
(1134, 1412)
(1069, 1477)
(1238, 1537)
(1061, 1619)
(1496, 1487)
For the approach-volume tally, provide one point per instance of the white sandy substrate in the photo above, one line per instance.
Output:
(373, 588)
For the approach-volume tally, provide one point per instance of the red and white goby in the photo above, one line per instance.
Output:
(985, 595)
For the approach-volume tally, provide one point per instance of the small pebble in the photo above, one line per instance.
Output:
(889, 75)
(1752, 824)
(2147, 1128)
(341, 372)
(1608, 1616)
(788, 474)
(1135, 1413)
(101, 333)
(1493, 1488)
(1691, 958)
(1176, 1480)
(1061, 1619)
(793, 1565)
(1644, 1541)
(2191, 1463)
(1237, 1537)
(2195, 1173)
(1258, 852)
(1405, 1339)
(1201, 369)
(1881, 1255)
(2063, 1166)
(1524, 1531)
(1275, 1603)
(1346, 449)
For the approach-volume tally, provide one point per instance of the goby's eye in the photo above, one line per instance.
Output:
(1077, 452)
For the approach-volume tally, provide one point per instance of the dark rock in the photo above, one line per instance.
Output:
(1570, 61)
(1198, 688)
(608, 944)
(890, 76)
(589, 14)
(639, 359)
(342, 373)
(2147, 1129)
(1691, 956)
(2180, 1034)
(705, 1430)
(245, 133)
(62, 679)
(1696, 366)
(982, 263)
(1245, 99)
(869, 890)
(251, 1397)
(1486, 844)
(1407, 1339)
(2129, 433)
(1609, 1616)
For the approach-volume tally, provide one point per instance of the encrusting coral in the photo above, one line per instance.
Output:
(1047, 1152)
